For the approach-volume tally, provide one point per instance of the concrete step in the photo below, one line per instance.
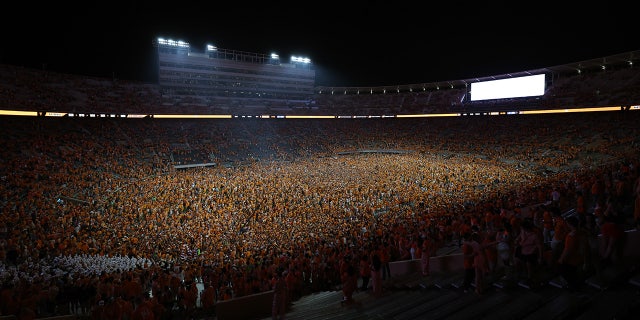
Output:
(547, 301)
(562, 306)
(558, 282)
(461, 302)
(433, 307)
(408, 282)
(612, 305)
(607, 277)
(446, 281)
(486, 304)
(522, 303)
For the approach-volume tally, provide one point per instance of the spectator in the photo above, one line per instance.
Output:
(279, 305)
(376, 275)
(504, 240)
(384, 254)
(573, 254)
(365, 271)
(349, 279)
(488, 245)
(547, 225)
(428, 249)
(529, 249)
(612, 238)
(243, 221)
(480, 264)
(560, 230)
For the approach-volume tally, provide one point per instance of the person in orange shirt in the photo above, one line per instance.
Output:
(490, 250)
(560, 230)
(385, 257)
(376, 274)
(480, 265)
(611, 238)
(573, 254)
(427, 251)
(465, 227)
(365, 271)
(208, 298)
(349, 280)
(280, 290)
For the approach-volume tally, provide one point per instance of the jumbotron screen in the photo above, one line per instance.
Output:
(527, 86)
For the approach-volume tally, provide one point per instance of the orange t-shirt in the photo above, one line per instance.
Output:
(560, 229)
(573, 248)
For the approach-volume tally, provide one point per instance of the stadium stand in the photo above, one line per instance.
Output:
(100, 217)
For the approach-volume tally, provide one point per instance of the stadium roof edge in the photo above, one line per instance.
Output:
(571, 68)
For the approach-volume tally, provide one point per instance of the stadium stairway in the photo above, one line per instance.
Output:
(417, 297)
(613, 293)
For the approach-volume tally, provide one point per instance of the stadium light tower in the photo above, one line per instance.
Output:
(173, 43)
(275, 59)
(212, 51)
(302, 62)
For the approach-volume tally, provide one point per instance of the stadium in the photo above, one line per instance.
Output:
(186, 198)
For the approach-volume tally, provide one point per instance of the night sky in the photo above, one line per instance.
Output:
(351, 43)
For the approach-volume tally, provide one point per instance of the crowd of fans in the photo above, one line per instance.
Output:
(96, 220)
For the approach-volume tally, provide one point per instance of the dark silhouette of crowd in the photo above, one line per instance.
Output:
(95, 215)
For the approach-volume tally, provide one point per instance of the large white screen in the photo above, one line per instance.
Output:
(508, 88)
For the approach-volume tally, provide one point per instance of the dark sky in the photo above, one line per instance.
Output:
(350, 42)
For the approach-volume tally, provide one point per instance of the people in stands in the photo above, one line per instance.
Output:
(504, 247)
(384, 254)
(280, 290)
(529, 250)
(547, 225)
(560, 230)
(480, 264)
(128, 212)
(573, 254)
(428, 250)
(376, 274)
(349, 278)
(612, 240)
(364, 268)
